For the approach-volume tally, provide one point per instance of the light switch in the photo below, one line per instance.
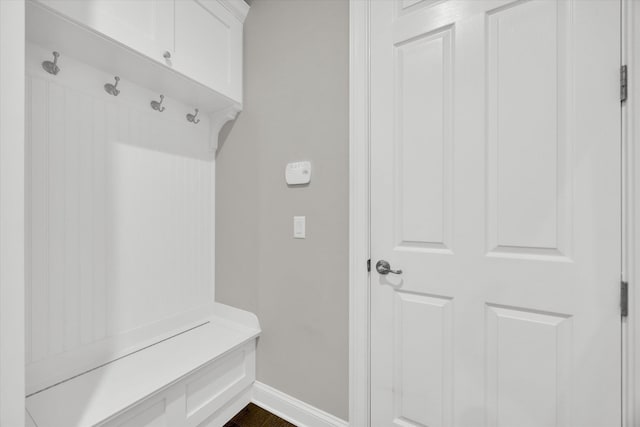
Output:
(299, 227)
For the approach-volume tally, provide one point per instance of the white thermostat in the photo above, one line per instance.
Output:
(298, 173)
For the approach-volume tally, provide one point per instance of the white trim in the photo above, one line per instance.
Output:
(239, 8)
(359, 117)
(234, 406)
(12, 238)
(631, 211)
(291, 409)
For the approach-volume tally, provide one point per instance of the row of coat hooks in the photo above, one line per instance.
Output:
(52, 67)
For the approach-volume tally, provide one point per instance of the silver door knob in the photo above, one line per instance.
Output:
(166, 54)
(383, 267)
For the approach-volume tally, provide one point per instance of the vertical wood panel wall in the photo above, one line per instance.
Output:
(120, 209)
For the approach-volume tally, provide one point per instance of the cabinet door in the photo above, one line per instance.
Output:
(208, 45)
(144, 25)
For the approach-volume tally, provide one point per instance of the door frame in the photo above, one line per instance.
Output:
(12, 236)
(631, 213)
(359, 214)
(359, 184)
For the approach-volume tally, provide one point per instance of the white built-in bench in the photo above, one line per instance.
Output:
(200, 377)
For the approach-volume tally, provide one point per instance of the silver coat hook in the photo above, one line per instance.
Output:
(52, 67)
(192, 118)
(112, 89)
(158, 105)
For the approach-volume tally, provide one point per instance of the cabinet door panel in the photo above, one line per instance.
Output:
(208, 45)
(144, 25)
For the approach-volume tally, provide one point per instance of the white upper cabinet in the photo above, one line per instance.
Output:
(201, 39)
(146, 26)
(208, 45)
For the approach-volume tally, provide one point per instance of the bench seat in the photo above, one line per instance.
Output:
(184, 380)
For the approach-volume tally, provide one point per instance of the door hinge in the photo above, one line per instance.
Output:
(623, 83)
(369, 265)
(624, 299)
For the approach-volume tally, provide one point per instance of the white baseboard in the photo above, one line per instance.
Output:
(291, 409)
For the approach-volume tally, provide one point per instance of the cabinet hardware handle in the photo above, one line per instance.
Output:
(166, 54)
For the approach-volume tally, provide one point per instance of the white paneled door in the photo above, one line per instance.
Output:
(496, 189)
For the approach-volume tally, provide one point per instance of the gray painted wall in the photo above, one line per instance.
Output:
(296, 108)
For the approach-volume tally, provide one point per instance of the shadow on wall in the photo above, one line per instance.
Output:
(226, 130)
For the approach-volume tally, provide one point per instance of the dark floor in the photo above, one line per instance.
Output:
(254, 416)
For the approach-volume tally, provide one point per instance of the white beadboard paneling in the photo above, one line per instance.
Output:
(55, 216)
(27, 231)
(100, 261)
(120, 220)
(38, 229)
(86, 221)
(74, 116)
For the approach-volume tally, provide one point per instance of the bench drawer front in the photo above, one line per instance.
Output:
(198, 398)
(147, 415)
(210, 389)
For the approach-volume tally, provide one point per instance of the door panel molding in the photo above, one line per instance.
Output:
(534, 209)
(423, 359)
(513, 358)
(359, 323)
(423, 171)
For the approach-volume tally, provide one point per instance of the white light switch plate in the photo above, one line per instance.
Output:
(299, 227)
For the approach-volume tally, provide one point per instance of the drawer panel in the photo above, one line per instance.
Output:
(214, 381)
(153, 416)
(213, 387)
